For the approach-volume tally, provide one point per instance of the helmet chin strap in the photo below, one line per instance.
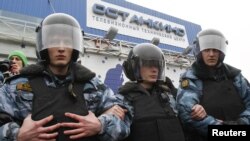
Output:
(71, 71)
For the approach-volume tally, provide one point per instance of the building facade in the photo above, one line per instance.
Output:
(111, 27)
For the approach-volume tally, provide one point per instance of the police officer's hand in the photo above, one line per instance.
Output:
(86, 126)
(117, 111)
(34, 130)
(198, 112)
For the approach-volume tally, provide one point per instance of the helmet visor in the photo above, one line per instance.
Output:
(61, 35)
(160, 64)
(212, 42)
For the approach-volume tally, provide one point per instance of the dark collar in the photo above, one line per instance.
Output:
(80, 72)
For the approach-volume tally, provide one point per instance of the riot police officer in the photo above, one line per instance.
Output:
(155, 117)
(58, 98)
(219, 88)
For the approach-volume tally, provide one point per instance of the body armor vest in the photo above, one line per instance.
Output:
(221, 100)
(153, 121)
(56, 101)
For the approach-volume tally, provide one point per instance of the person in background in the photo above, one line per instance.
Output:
(58, 98)
(12, 66)
(18, 61)
(219, 90)
(154, 113)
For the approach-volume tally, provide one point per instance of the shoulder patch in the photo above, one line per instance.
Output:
(24, 87)
(184, 83)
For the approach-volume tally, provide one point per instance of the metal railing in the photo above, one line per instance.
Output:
(23, 31)
(17, 30)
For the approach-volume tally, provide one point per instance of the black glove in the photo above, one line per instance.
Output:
(234, 122)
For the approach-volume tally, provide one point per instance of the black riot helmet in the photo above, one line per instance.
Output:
(144, 54)
(59, 30)
(210, 39)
